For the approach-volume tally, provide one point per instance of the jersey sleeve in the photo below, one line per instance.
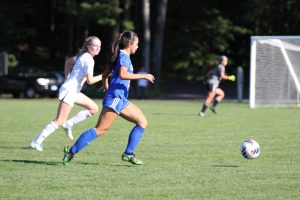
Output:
(124, 62)
(89, 65)
(221, 69)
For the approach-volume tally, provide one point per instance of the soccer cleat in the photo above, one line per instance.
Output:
(202, 114)
(36, 146)
(213, 110)
(131, 158)
(68, 129)
(67, 155)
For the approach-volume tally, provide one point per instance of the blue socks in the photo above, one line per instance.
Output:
(134, 138)
(85, 139)
(89, 135)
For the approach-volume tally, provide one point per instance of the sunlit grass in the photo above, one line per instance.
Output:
(185, 156)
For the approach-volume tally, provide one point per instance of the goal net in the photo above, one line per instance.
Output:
(275, 71)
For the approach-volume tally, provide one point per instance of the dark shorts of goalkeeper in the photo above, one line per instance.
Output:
(211, 87)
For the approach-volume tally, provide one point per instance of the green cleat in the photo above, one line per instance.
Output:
(68, 156)
(131, 158)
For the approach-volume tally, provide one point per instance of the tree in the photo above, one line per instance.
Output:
(147, 34)
(159, 39)
(195, 39)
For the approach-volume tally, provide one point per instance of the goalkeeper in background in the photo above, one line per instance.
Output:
(215, 93)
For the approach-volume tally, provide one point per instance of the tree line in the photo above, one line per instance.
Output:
(180, 40)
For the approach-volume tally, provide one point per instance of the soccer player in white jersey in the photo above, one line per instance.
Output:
(69, 92)
(115, 102)
(214, 93)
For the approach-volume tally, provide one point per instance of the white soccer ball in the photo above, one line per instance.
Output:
(250, 149)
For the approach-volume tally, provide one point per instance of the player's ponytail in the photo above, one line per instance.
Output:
(122, 42)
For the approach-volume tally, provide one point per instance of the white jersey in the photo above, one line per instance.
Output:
(84, 65)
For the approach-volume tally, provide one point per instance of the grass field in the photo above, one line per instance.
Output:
(185, 156)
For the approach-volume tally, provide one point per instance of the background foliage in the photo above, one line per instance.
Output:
(43, 33)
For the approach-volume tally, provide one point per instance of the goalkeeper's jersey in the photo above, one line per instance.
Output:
(216, 74)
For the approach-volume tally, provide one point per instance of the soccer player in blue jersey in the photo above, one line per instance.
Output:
(115, 102)
(215, 93)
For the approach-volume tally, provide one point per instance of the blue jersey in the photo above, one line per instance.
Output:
(118, 87)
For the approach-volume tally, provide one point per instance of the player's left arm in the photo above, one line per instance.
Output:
(105, 75)
(225, 77)
(124, 74)
(91, 79)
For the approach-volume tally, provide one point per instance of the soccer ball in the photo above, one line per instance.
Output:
(250, 149)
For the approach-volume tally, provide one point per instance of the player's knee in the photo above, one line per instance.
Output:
(101, 131)
(94, 110)
(143, 123)
(222, 95)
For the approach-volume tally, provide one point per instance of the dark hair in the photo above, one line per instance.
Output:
(122, 42)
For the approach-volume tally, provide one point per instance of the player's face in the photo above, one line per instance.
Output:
(224, 62)
(94, 47)
(134, 45)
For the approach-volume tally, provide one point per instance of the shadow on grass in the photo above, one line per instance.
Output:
(117, 165)
(60, 163)
(14, 147)
(225, 166)
(174, 114)
(34, 162)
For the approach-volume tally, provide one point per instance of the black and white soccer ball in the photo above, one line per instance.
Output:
(250, 149)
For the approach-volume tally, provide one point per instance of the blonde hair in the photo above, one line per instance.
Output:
(87, 42)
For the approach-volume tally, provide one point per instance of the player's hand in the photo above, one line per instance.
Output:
(231, 77)
(105, 85)
(150, 77)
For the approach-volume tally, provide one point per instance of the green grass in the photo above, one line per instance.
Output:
(185, 156)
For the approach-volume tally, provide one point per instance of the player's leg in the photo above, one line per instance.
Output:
(62, 114)
(133, 114)
(219, 97)
(91, 108)
(208, 100)
(105, 120)
(211, 88)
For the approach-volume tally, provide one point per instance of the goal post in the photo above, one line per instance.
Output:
(274, 71)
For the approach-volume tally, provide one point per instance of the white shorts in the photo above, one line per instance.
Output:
(68, 96)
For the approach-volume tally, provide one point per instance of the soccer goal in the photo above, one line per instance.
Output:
(275, 71)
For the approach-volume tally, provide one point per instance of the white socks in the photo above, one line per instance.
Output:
(80, 116)
(48, 130)
(51, 127)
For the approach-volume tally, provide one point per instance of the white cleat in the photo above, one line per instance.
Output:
(68, 129)
(36, 146)
(201, 114)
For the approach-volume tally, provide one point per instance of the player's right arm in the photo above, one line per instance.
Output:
(69, 63)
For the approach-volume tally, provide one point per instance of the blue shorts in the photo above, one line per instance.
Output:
(114, 103)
